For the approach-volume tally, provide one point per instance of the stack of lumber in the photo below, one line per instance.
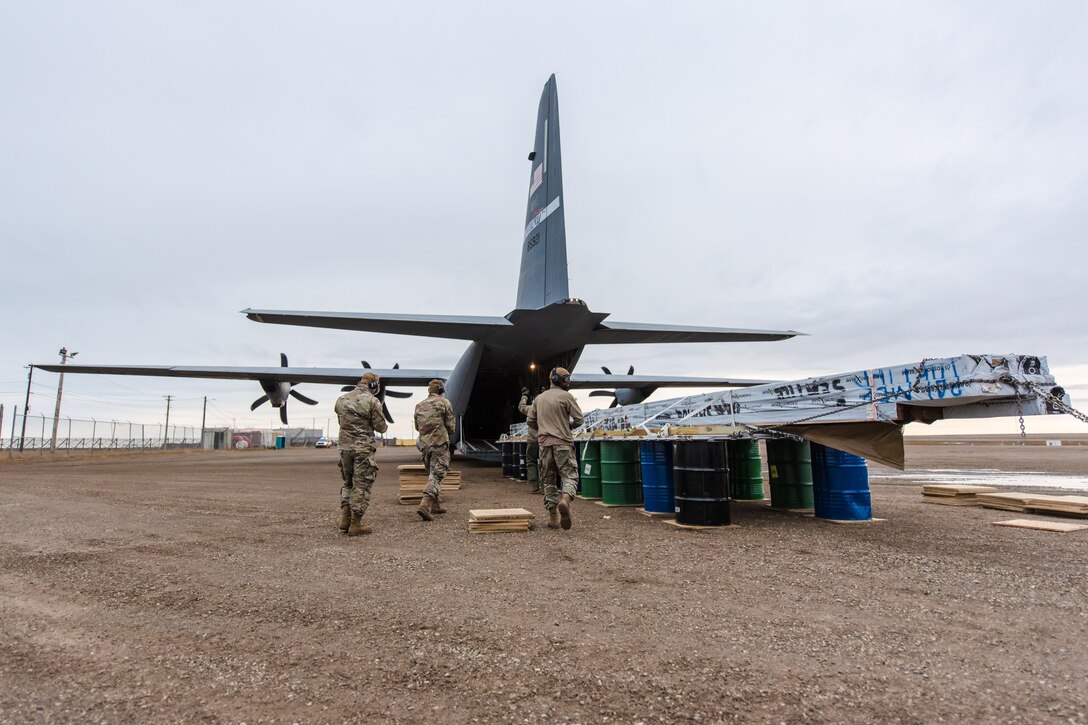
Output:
(481, 521)
(1003, 501)
(413, 479)
(951, 495)
(1068, 505)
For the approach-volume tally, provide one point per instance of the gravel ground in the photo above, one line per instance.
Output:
(214, 586)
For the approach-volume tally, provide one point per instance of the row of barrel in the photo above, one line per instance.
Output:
(697, 480)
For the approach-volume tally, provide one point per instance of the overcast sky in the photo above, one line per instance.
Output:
(899, 180)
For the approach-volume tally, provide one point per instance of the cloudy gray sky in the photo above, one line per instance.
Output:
(899, 180)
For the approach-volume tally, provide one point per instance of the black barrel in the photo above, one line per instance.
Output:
(701, 483)
(523, 463)
(507, 458)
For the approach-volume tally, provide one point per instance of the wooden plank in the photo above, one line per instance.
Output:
(1056, 526)
(497, 530)
(512, 514)
(1005, 501)
(692, 527)
(951, 500)
(941, 489)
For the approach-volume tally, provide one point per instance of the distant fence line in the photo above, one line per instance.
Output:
(74, 434)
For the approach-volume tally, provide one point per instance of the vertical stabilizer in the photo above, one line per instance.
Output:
(543, 277)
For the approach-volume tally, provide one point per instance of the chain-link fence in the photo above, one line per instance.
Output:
(36, 433)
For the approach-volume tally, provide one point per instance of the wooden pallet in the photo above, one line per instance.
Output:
(954, 495)
(951, 500)
(942, 489)
(482, 521)
(1004, 501)
(413, 481)
(656, 514)
(1055, 526)
(1066, 505)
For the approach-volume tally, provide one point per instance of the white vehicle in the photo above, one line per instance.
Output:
(324, 442)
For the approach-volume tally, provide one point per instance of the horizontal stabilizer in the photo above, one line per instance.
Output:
(617, 333)
(453, 327)
(577, 380)
(331, 376)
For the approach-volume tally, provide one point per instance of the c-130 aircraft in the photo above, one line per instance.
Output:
(547, 329)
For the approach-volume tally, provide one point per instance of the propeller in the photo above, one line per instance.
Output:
(624, 396)
(276, 392)
(382, 392)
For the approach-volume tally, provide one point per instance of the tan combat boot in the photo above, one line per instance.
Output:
(426, 508)
(345, 515)
(436, 507)
(357, 527)
(564, 510)
(553, 518)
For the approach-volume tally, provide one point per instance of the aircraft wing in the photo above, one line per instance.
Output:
(454, 327)
(331, 376)
(578, 380)
(614, 333)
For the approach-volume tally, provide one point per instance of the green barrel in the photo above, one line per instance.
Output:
(589, 467)
(789, 464)
(620, 483)
(745, 471)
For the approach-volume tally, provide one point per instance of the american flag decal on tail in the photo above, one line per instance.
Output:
(538, 179)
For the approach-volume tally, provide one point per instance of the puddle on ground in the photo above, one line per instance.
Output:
(984, 477)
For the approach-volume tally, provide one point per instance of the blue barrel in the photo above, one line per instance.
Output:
(840, 485)
(701, 482)
(656, 460)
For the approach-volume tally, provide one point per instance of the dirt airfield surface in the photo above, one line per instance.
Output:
(215, 587)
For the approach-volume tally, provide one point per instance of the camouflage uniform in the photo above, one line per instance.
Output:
(553, 414)
(532, 447)
(436, 424)
(360, 415)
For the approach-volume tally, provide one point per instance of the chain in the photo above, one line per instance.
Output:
(918, 371)
(1020, 412)
(1057, 402)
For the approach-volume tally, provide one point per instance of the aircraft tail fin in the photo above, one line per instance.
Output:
(543, 278)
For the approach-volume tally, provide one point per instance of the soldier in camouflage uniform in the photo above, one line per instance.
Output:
(360, 414)
(553, 414)
(532, 448)
(436, 425)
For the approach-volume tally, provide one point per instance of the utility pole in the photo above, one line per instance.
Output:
(26, 407)
(203, 417)
(64, 355)
(166, 431)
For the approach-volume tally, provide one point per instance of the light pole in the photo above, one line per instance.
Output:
(64, 355)
(26, 407)
(166, 429)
